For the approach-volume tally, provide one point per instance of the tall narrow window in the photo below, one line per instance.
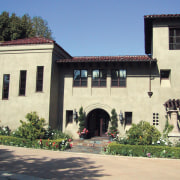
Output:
(99, 78)
(80, 78)
(118, 78)
(69, 117)
(174, 38)
(6, 80)
(22, 83)
(39, 78)
(128, 118)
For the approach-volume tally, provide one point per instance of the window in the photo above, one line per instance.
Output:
(80, 78)
(165, 78)
(39, 78)
(164, 74)
(5, 92)
(174, 38)
(155, 119)
(118, 78)
(128, 118)
(99, 78)
(69, 117)
(22, 83)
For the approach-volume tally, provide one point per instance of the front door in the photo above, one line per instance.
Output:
(97, 122)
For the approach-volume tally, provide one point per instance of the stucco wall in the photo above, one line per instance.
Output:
(132, 98)
(27, 57)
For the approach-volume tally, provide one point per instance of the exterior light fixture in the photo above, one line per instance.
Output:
(121, 117)
(74, 114)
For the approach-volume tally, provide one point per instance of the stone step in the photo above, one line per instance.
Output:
(94, 145)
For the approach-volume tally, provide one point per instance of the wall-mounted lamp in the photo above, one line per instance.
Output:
(121, 117)
(74, 114)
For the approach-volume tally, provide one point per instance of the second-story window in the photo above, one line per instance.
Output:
(22, 83)
(80, 78)
(99, 78)
(5, 92)
(174, 38)
(118, 78)
(39, 78)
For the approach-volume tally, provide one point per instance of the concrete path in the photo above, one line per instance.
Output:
(35, 164)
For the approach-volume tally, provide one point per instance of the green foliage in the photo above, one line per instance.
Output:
(144, 150)
(81, 119)
(168, 128)
(5, 131)
(55, 134)
(32, 129)
(113, 132)
(41, 28)
(143, 134)
(14, 27)
(58, 144)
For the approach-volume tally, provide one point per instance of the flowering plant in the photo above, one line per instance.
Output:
(83, 132)
(112, 133)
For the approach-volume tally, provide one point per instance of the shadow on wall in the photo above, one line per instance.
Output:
(64, 168)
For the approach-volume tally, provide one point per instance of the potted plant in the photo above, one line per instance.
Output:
(113, 132)
(81, 119)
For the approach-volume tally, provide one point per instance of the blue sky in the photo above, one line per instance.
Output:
(95, 27)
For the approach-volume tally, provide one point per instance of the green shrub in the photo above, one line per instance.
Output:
(32, 129)
(55, 134)
(58, 144)
(144, 150)
(143, 134)
(5, 131)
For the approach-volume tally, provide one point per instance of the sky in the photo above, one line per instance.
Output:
(95, 27)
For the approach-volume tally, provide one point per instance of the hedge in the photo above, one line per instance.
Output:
(144, 150)
(58, 144)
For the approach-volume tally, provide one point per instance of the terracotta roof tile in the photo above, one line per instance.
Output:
(33, 40)
(161, 16)
(106, 59)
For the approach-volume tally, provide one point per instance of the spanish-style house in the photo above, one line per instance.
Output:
(37, 74)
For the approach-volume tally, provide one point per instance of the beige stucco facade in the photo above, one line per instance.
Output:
(60, 97)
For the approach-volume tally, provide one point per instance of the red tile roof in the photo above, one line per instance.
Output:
(33, 40)
(161, 16)
(107, 59)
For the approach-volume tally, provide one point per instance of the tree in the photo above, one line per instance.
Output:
(41, 28)
(14, 27)
(4, 27)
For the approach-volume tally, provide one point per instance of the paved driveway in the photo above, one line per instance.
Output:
(22, 163)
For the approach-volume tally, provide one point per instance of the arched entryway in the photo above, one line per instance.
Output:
(97, 122)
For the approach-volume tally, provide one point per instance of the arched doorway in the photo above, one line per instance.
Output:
(97, 122)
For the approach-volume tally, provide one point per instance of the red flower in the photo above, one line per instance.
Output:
(69, 140)
(70, 145)
(53, 144)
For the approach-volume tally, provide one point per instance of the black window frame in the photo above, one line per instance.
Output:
(128, 118)
(119, 81)
(6, 84)
(165, 74)
(174, 38)
(22, 83)
(100, 80)
(69, 116)
(81, 81)
(39, 78)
